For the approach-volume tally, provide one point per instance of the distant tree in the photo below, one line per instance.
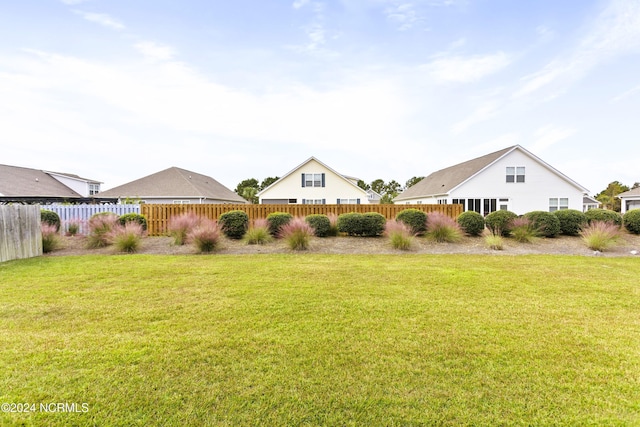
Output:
(392, 187)
(363, 185)
(248, 189)
(387, 199)
(413, 181)
(268, 181)
(608, 196)
(635, 185)
(378, 186)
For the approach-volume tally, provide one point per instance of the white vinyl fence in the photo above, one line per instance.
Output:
(20, 234)
(81, 213)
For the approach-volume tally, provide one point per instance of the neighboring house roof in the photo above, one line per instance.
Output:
(175, 183)
(446, 180)
(587, 200)
(16, 181)
(631, 193)
(74, 176)
(351, 180)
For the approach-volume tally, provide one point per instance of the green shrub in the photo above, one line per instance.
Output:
(50, 218)
(545, 224)
(498, 222)
(603, 215)
(415, 219)
(373, 224)
(234, 224)
(320, 224)
(276, 220)
(571, 221)
(471, 223)
(369, 224)
(631, 221)
(133, 217)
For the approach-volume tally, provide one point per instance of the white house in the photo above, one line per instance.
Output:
(510, 179)
(84, 187)
(313, 182)
(629, 200)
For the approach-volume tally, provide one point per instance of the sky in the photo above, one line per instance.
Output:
(114, 90)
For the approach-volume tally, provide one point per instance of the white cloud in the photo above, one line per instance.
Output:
(481, 114)
(300, 3)
(550, 135)
(73, 2)
(461, 69)
(404, 15)
(615, 32)
(626, 94)
(102, 19)
(155, 51)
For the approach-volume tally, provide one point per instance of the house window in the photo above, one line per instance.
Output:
(293, 201)
(442, 201)
(459, 202)
(313, 201)
(515, 174)
(181, 202)
(348, 202)
(561, 203)
(489, 206)
(94, 189)
(504, 204)
(474, 205)
(313, 180)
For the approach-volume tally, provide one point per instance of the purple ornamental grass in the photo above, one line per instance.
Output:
(258, 232)
(205, 235)
(333, 224)
(50, 237)
(127, 237)
(181, 225)
(443, 228)
(100, 227)
(600, 235)
(297, 233)
(522, 230)
(399, 234)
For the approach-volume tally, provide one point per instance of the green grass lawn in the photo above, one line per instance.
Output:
(322, 340)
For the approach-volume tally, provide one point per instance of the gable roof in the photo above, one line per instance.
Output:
(446, 180)
(634, 192)
(348, 179)
(74, 176)
(175, 183)
(17, 181)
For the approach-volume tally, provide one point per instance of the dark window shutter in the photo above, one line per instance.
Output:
(303, 200)
(357, 201)
(323, 180)
(324, 201)
(303, 180)
(337, 201)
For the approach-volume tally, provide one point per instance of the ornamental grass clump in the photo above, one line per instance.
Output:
(205, 236)
(494, 240)
(73, 227)
(523, 230)
(400, 235)
(600, 235)
(101, 226)
(258, 233)
(127, 237)
(181, 225)
(297, 233)
(442, 228)
(333, 224)
(50, 237)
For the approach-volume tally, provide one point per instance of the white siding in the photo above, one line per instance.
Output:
(336, 187)
(532, 195)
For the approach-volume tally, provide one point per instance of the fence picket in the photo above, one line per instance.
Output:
(82, 213)
(158, 215)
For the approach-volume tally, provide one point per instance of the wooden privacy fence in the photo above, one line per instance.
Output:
(82, 213)
(158, 215)
(20, 234)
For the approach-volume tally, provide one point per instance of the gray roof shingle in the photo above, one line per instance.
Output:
(17, 181)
